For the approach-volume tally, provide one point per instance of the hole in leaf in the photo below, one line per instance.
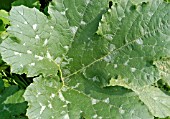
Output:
(110, 4)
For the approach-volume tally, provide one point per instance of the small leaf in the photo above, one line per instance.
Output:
(4, 16)
(15, 98)
(28, 3)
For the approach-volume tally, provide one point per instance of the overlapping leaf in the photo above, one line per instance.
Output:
(156, 100)
(12, 109)
(4, 21)
(49, 99)
(130, 37)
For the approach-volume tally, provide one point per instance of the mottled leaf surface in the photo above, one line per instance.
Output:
(50, 99)
(35, 42)
(80, 47)
(164, 67)
(156, 100)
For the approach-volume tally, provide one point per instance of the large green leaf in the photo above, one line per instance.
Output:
(84, 44)
(138, 40)
(37, 42)
(50, 99)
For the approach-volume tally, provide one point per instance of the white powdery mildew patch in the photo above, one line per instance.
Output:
(109, 37)
(155, 98)
(29, 51)
(50, 105)
(108, 58)
(61, 96)
(38, 94)
(25, 22)
(66, 116)
(126, 63)
(103, 19)
(42, 108)
(58, 60)
(34, 26)
(76, 86)
(64, 105)
(63, 112)
(107, 100)
(95, 116)
(112, 47)
(17, 53)
(21, 12)
(132, 112)
(109, 11)
(21, 65)
(121, 111)
(94, 101)
(32, 64)
(45, 42)
(150, 13)
(39, 57)
(139, 41)
(52, 27)
(48, 55)
(73, 29)
(37, 37)
(66, 47)
(95, 78)
(83, 23)
(87, 1)
(17, 25)
(133, 69)
(115, 66)
(52, 95)
(63, 13)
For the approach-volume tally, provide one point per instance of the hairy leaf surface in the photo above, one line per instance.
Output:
(49, 99)
(80, 47)
(157, 102)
